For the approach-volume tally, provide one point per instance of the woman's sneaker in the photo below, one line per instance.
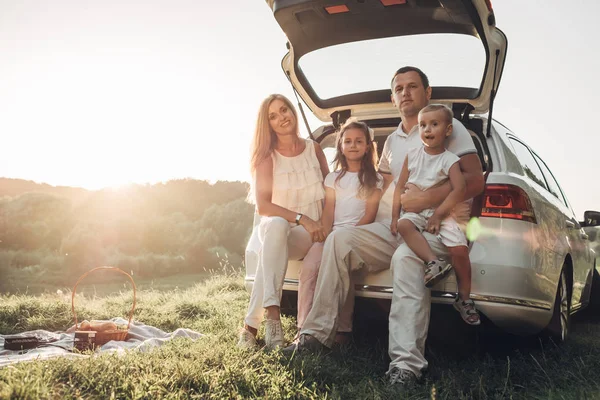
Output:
(273, 334)
(247, 340)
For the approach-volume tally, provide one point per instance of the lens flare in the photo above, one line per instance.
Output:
(473, 229)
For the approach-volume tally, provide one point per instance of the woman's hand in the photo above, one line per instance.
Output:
(314, 228)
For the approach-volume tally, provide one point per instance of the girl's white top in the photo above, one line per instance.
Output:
(349, 208)
(298, 182)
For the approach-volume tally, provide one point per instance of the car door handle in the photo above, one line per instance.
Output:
(570, 224)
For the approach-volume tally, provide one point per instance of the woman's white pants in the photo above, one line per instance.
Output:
(279, 242)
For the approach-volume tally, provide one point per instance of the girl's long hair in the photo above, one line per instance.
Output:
(265, 139)
(367, 175)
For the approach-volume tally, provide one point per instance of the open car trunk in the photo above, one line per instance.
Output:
(323, 25)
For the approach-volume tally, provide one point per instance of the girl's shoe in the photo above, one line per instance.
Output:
(467, 311)
(436, 271)
(273, 334)
(247, 340)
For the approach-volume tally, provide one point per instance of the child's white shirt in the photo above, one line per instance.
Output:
(426, 170)
(349, 208)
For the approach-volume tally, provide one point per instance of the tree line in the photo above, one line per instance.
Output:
(180, 226)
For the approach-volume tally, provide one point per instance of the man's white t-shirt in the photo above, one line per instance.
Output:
(396, 148)
(349, 208)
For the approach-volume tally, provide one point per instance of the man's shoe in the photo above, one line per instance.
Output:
(305, 343)
(399, 376)
(343, 342)
(247, 340)
(273, 334)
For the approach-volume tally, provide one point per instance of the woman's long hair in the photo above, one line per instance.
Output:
(265, 139)
(367, 176)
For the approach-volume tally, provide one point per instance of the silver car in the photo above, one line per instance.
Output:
(532, 263)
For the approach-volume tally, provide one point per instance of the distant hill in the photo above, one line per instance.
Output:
(16, 187)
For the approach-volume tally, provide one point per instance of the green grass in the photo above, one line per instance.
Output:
(119, 283)
(213, 368)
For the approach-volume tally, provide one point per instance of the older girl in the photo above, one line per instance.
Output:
(352, 197)
(288, 174)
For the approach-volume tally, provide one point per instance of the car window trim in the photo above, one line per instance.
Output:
(511, 137)
(538, 159)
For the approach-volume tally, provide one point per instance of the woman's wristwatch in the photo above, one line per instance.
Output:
(298, 216)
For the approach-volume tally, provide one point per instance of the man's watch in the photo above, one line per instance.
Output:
(298, 216)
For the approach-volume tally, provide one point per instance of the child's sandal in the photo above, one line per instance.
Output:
(436, 271)
(467, 311)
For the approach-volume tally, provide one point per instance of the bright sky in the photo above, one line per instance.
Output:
(101, 93)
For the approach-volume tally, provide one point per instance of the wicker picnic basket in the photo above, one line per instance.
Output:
(103, 337)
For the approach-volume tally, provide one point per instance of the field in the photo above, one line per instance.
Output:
(468, 364)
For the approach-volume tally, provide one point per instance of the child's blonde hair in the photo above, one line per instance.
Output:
(367, 175)
(439, 107)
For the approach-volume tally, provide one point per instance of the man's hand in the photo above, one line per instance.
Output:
(412, 199)
(433, 224)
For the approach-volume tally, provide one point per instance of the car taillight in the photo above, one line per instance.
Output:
(392, 2)
(507, 201)
(488, 3)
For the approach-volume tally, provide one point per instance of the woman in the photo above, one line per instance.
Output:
(288, 174)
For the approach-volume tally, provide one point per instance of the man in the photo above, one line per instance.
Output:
(373, 246)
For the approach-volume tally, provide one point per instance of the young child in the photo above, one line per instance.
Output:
(425, 167)
(352, 194)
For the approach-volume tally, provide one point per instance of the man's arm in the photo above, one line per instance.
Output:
(387, 180)
(397, 202)
(415, 200)
(398, 191)
(470, 166)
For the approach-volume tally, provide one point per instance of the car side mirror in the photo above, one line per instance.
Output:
(591, 218)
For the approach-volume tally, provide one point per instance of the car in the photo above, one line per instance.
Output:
(532, 263)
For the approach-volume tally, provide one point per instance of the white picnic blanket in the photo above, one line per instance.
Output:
(141, 338)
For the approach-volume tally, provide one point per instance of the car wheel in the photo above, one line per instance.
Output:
(559, 325)
(595, 294)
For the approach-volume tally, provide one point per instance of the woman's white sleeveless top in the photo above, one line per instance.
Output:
(298, 182)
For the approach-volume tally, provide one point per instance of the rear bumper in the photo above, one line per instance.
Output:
(516, 316)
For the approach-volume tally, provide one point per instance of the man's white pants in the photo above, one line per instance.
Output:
(373, 247)
(280, 242)
(411, 305)
(345, 250)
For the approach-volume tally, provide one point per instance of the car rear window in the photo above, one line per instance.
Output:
(450, 60)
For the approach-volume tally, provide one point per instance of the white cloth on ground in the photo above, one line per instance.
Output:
(140, 338)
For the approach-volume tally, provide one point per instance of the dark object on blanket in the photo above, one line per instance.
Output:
(85, 340)
(21, 342)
